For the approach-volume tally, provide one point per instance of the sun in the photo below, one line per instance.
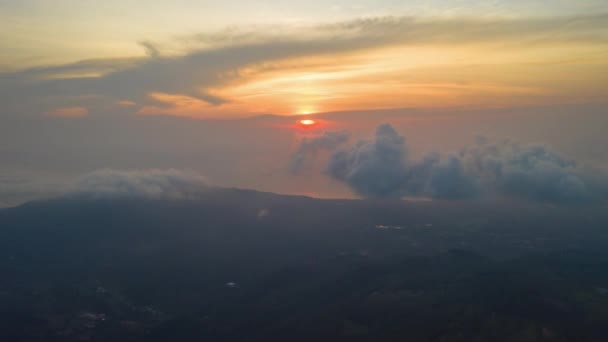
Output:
(307, 122)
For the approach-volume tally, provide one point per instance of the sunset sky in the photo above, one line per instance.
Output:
(239, 58)
(75, 71)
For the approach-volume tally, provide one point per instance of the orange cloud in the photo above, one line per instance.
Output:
(126, 103)
(70, 112)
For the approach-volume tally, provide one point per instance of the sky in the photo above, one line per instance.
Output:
(88, 85)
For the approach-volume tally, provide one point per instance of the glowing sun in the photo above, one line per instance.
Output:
(307, 122)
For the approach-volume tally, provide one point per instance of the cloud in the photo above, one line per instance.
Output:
(220, 59)
(458, 30)
(153, 184)
(381, 168)
(106, 183)
(373, 168)
(70, 112)
(530, 171)
(151, 50)
(310, 147)
(450, 180)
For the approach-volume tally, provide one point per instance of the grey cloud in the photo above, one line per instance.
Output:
(151, 49)
(195, 75)
(310, 147)
(373, 168)
(531, 171)
(449, 179)
(222, 56)
(41, 74)
(381, 168)
(153, 184)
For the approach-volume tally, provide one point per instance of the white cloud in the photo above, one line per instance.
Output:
(153, 183)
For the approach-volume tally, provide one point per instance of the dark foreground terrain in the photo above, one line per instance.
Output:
(247, 266)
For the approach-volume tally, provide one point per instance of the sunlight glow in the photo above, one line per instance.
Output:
(306, 109)
(308, 122)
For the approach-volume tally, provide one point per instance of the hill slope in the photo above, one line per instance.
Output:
(238, 265)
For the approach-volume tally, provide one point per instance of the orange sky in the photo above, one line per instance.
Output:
(355, 64)
(420, 76)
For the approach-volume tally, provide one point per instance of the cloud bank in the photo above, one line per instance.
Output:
(381, 168)
(152, 184)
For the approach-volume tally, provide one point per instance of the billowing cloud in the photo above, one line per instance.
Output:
(381, 168)
(154, 184)
(531, 171)
(373, 168)
(310, 146)
(449, 179)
